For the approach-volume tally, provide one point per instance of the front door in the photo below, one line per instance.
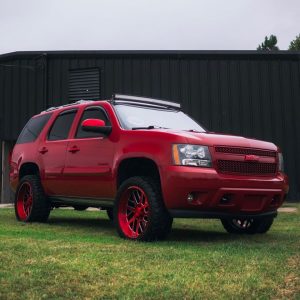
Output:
(88, 165)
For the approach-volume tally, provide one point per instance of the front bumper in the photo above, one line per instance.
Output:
(217, 194)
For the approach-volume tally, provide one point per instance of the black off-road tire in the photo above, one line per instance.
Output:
(80, 207)
(256, 225)
(40, 207)
(264, 224)
(160, 221)
(110, 214)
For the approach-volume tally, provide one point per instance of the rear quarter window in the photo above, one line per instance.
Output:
(33, 129)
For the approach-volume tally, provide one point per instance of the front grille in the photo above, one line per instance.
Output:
(246, 168)
(245, 151)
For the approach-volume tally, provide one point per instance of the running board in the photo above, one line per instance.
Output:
(89, 202)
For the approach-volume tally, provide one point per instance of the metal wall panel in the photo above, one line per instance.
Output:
(21, 94)
(244, 93)
(84, 84)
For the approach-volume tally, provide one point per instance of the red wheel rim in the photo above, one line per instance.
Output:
(24, 201)
(243, 224)
(133, 212)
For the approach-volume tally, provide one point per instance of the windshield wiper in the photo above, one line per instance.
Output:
(149, 127)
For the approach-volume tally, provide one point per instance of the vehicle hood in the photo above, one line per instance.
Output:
(218, 139)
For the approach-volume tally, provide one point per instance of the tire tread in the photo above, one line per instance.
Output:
(40, 207)
(161, 221)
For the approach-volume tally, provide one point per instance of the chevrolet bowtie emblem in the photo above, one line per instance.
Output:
(251, 158)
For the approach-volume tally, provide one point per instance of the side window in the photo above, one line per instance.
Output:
(62, 125)
(33, 129)
(91, 113)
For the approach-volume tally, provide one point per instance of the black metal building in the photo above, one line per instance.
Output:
(250, 93)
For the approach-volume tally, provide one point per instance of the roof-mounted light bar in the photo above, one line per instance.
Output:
(145, 100)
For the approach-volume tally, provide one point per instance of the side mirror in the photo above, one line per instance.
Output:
(96, 125)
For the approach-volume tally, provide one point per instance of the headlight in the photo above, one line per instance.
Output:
(191, 155)
(280, 161)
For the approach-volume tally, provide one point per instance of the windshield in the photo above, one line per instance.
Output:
(137, 117)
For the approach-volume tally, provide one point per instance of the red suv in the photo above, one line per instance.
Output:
(145, 162)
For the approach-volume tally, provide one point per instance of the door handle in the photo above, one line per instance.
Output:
(74, 149)
(43, 150)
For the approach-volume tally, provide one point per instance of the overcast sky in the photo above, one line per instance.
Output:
(145, 24)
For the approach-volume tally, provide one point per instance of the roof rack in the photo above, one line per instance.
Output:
(144, 100)
(66, 105)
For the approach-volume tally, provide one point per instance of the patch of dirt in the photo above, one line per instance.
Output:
(9, 205)
(290, 289)
(287, 209)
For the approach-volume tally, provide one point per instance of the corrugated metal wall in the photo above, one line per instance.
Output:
(21, 93)
(243, 93)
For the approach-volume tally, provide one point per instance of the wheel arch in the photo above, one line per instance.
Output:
(137, 166)
(28, 168)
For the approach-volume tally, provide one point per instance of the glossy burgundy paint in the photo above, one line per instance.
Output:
(93, 123)
(89, 167)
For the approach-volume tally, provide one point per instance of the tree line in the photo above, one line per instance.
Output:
(270, 44)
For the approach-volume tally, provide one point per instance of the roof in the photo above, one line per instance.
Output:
(142, 53)
(68, 105)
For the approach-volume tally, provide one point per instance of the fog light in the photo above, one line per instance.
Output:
(225, 199)
(275, 200)
(190, 198)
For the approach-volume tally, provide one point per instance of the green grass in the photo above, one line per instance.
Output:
(77, 255)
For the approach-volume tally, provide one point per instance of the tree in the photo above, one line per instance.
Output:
(295, 44)
(269, 44)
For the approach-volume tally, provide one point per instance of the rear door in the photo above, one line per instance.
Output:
(89, 157)
(52, 152)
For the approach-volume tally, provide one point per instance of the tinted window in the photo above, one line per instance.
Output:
(33, 128)
(61, 127)
(91, 113)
